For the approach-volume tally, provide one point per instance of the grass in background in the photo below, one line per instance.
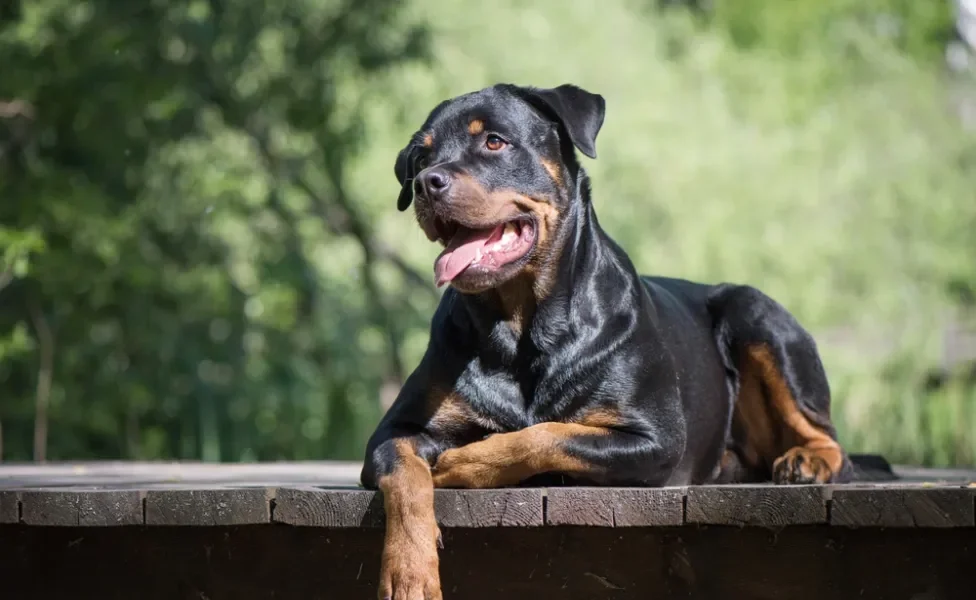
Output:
(827, 174)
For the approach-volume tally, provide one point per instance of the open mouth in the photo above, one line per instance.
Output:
(482, 250)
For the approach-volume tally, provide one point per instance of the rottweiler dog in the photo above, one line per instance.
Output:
(551, 356)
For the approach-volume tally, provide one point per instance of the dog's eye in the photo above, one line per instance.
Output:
(494, 143)
(422, 163)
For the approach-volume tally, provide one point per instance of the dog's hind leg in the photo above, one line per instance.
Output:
(781, 426)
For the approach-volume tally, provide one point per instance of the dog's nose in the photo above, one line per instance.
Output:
(435, 182)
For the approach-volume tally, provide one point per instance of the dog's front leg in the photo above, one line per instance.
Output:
(600, 454)
(409, 569)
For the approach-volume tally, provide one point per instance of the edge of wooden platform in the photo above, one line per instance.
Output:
(886, 506)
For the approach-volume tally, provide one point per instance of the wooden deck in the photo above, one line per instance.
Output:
(306, 530)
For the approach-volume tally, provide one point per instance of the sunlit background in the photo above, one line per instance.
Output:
(202, 258)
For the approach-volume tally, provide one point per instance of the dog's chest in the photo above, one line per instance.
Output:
(505, 401)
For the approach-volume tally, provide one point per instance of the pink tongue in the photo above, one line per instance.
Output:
(461, 252)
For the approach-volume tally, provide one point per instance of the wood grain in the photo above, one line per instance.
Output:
(49, 508)
(214, 495)
(489, 508)
(317, 507)
(903, 507)
(9, 507)
(615, 507)
(763, 506)
(84, 508)
(233, 506)
(110, 508)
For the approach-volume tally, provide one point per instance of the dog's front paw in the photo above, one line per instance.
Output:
(451, 470)
(409, 573)
(455, 468)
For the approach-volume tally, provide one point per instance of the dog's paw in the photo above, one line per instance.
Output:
(456, 469)
(410, 574)
(801, 466)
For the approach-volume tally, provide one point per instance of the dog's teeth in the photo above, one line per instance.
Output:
(509, 235)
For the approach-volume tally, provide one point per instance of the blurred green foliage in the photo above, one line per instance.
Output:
(202, 258)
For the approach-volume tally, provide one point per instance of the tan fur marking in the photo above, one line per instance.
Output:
(509, 458)
(553, 170)
(751, 417)
(518, 303)
(410, 561)
(546, 214)
(472, 205)
(476, 127)
(520, 296)
(601, 417)
(774, 427)
(451, 413)
(542, 268)
(475, 207)
(428, 140)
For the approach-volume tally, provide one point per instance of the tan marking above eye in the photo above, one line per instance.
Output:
(428, 140)
(476, 126)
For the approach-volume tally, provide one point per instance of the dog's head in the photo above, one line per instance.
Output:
(491, 172)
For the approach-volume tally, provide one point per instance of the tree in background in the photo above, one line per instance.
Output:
(173, 176)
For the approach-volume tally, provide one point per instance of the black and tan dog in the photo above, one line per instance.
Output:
(549, 355)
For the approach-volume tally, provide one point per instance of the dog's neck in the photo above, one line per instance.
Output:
(549, 284)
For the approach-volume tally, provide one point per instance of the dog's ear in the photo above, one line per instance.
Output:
(580, 112)
(405, 171)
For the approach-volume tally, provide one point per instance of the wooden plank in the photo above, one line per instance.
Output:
(49, 508)
(318, 507)
(9, 507)
(85, 508)
(489, 508)
(763, 506)
(902, 504)
(110, 508)
(237, 506)
(568, 563)
(615, 507)
(903, 507)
